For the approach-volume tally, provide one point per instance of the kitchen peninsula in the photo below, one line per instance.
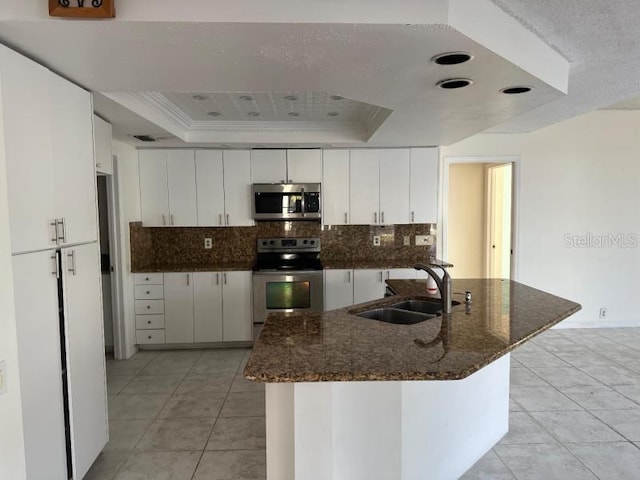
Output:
(354, 398)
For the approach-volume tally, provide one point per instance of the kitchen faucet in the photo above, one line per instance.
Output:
(444, 284)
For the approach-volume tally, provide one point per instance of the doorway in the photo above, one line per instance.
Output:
(105, 261)
(479, 216)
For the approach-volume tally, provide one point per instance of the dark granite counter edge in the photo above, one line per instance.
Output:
(220, 267)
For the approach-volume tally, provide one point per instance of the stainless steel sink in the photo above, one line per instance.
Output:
(394, 315)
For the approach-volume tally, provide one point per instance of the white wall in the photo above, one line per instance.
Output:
(578, 177)
(129, 202)
(11, 437)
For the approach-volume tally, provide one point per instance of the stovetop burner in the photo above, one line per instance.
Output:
(288, 254)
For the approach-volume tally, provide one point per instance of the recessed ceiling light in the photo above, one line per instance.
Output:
(293, 114)
(214, 114)
(336, 97)
(452, 58)
(253, 114)
(333, 114)
(452, 83)
(516, 90)
(248, 98)
(292, 98)
(199, 97)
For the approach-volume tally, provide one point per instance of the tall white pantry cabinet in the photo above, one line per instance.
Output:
(48, 145)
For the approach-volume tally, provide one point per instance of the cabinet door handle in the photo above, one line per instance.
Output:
(56, 271)
(375, 217)
(72, 256)
(413, 217)
(387, 274)
(380, 276)
(63, 225)
(99, 165)
(346, 220)
(220, 219)
(349, 276)
(171, 217)
(54, 224)
(224, 276)
(227, 219)
(188, 279)
(164, 219)
(217, 279)
(381, 217)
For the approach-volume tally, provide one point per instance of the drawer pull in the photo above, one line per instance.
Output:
(148, 307)
(147, 279)
(149, 337)
(149, 322)
(148, 292)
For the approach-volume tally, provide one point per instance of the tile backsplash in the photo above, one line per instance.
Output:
(343, 246)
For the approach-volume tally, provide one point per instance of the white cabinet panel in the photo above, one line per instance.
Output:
(401, 274)
(148, 278)
(154, 193)
(335, 187)
(102, 135)
(85, 354)
(338, 289)
(237, 306)
(237, 187)
(181, 180)
(368, 285)
(178, 307)
(148, 322)
(149, 307)
(28, 140)
(207, 306)
(364, 187)
(150, 337)
(268, 166)
(424, 185)
(36, 304)
(148, 292)
(394, 186)
(210, 188)
(304, 166)
(74, 175)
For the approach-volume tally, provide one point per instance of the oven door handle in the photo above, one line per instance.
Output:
(303, 202)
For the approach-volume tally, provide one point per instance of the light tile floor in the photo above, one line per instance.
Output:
(575, 414)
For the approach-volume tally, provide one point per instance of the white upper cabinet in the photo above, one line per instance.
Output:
(102, 140)
(73, 157)
(335, 187)
(304, 166)
(154, 193)
(181, 179)
(210, 188)
(424, 185)
(394, 186)
(269, 166)
(237, 188)
(364, 187)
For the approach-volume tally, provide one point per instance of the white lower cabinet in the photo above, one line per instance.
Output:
(369, 283)
(178, 307)
(237, 307)
(338, 289)
(207, 306)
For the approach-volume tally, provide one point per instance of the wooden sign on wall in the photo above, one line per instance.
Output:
(82, 8)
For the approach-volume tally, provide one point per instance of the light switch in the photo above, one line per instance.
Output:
(3, 378)
(424, 240)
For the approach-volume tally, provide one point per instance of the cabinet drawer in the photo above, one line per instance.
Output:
(149, 292)
(149, 336)
(149, 322)
(148, 278)
(149, 307)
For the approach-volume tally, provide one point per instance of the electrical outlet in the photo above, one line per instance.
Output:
(208, 243)
(376, 240)
(603, 313)
(3, 378)
(422, 240)
(407, 240)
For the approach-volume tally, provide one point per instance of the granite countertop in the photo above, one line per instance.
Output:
(374, 263)
(338, 346)
(217, 267)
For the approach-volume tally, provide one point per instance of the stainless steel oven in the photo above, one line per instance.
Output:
(287, 277)
(286, 201)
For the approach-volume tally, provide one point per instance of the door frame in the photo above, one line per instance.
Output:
(490, 212)
(443, 212)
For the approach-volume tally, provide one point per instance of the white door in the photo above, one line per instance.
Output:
(237, 306)
(338, 289)
(178, 307)
(368, 284)
(304, 166)
(207, 306)
(364, 187)
(268, 166)
(154, 193)
(36, 302)
(85, 355)
(102, 134)
(74, 161)
(181, 179)
(335, 187)
(237, 188)
(210, 188)
(423, 190)
(28, 147)
(499, 184)
(394, 186)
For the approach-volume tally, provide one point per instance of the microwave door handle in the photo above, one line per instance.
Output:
(303, 203)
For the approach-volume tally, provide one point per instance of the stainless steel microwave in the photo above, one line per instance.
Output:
(286, 201)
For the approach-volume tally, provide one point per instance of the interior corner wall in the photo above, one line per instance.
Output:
(12, 461)
(467, 219)
(578, 212)
(129, 204)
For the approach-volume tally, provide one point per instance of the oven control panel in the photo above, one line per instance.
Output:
(305, 244)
